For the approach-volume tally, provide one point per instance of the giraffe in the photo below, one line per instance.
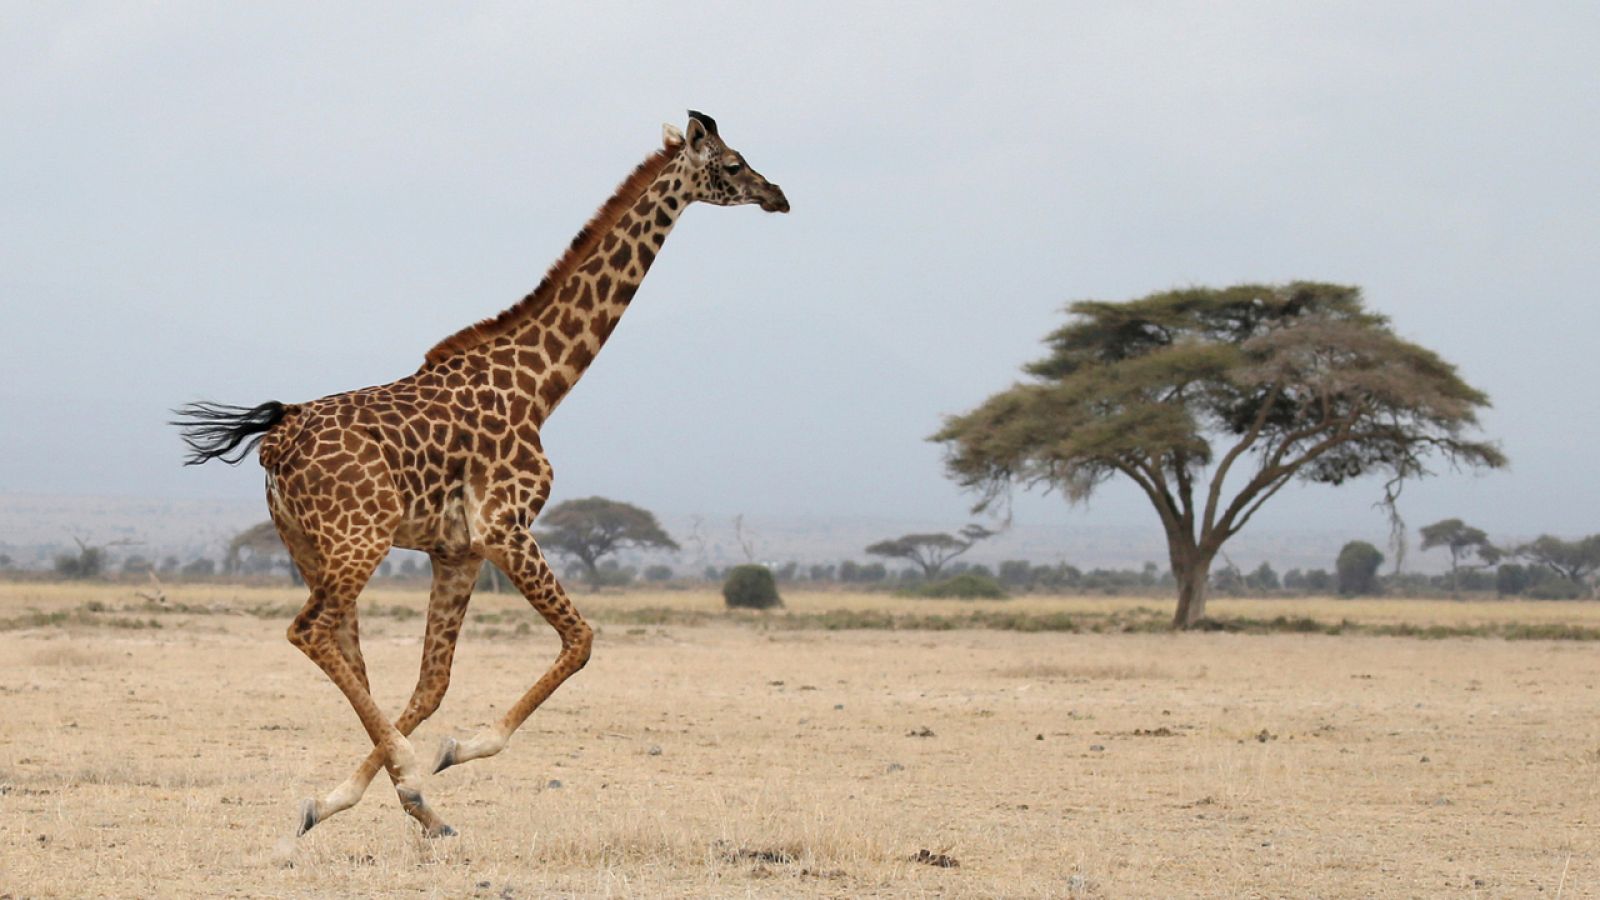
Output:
(448, 461)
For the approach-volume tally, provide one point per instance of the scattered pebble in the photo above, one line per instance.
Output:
(553, 784)
(924, 731)
(1096, 748)
(895, 767)
(655, 750)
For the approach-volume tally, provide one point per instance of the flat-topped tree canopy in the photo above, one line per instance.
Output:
(1173, 390)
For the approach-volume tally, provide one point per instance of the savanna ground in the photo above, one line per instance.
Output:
(162, 749)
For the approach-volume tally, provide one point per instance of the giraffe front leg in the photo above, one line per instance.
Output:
(447, 606)
(516, 553)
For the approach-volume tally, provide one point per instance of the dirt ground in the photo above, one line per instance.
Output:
(730, 760)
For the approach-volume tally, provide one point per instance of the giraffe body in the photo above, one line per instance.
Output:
(448, 461)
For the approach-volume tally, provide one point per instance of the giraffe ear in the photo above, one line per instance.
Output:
(670, 135)
(700, 127)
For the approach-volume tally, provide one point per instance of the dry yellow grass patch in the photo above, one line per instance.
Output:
(728, 760)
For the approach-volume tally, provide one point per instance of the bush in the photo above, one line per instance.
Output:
(1358, 568)
(751, 587)
(1556, 589)
(966, 586)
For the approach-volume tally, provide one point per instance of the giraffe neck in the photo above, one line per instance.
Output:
(539, 348)
(588, 303)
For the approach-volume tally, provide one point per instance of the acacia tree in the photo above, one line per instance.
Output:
(1461, 539)
(930, 551)
(1211, 400)
(1575, 560)
(263, 543)
(590, 529)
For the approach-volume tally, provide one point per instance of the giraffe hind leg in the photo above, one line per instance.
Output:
(315, 632)
(516, 553)
(447, 605)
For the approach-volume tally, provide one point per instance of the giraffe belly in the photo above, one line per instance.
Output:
(438, 527)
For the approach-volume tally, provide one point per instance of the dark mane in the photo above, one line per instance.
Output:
(587, 241)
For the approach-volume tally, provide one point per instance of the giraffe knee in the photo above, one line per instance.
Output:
(307, 631)
(300, 634)
(580, 641)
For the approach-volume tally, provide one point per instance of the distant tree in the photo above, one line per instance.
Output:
(5, 561)
(658, 573)
(89, 562)
(1358, 569)
(1318, 581)
(1016, 573)
(1574, 560)
(930, 551)
(136, 565)
(590, 529)
(1510, 579)
(169, 565)
(199, 568)
(1263, 580)
(262, 548)
(821, 572)
(1173, 391)
(492, 580)
(1461, 540)
(1228, 581)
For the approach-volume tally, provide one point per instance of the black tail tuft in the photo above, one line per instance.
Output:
(220, 431)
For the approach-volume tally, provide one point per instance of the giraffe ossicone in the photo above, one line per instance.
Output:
(448, 461)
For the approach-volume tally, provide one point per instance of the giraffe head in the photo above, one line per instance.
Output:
(718, 173)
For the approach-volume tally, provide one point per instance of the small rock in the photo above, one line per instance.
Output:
(1038, 737)
(924, 731)
(1096, 748)
(1264, 735)
(655, 750)
(895, 767)
(1423, 758)
(838, 706)
(553, 784)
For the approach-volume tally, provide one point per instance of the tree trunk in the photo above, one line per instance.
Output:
(1192, 572)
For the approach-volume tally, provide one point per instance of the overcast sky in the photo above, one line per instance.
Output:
(245, 202)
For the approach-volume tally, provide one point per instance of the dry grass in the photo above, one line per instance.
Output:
(168, 761)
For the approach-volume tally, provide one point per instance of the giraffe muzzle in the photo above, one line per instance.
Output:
(775, 201)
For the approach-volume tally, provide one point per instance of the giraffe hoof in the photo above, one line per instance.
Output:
(442, 831)
(308, 816)
(446, 757)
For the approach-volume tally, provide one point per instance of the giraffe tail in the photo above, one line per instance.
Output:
(219, 431)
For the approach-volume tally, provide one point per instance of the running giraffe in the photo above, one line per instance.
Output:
(448, 461)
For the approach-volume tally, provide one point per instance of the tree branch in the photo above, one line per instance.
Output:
(1215, 493)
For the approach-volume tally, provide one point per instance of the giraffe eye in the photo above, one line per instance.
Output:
(732, 168)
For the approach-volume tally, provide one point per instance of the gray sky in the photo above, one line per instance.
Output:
(277, 201)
